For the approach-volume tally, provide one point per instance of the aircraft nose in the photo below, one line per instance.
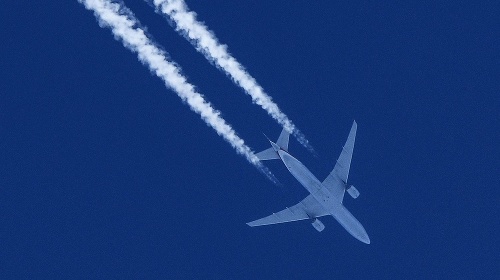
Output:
(365, 239)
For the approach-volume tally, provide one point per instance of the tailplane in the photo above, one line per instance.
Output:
(281, 144)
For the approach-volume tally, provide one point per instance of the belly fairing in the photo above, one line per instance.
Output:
(308, 180)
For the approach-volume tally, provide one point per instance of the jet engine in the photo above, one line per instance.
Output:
(318, 225)
(353, 191)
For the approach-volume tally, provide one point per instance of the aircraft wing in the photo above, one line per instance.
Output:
(308, 208)
(336, 180)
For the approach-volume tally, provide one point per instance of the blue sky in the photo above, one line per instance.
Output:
(105, 173)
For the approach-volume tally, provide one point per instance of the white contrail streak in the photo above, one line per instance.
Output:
(205, 42)
(126, 28)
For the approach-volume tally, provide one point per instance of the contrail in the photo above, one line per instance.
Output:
(205, 42)
(126, 28)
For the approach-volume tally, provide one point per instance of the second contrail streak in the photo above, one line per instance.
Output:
(125, 27)
(205, 42)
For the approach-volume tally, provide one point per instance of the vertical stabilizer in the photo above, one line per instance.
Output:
(283, 140)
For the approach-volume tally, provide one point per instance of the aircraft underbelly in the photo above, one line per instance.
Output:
(309, 181)
(301, 173)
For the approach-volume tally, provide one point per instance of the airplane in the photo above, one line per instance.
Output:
(325, 197)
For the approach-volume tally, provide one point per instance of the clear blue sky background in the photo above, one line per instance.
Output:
(105, 174)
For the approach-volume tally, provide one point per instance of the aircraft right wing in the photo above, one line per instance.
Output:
(337, 179)
(308, 208)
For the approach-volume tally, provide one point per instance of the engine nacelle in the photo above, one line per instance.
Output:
(318, 225)
(353, 191)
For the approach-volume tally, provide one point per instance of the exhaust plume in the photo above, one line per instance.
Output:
(126, 28)
(204, 41)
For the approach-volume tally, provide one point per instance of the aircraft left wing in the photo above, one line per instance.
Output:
(337, 179)
(308, 208)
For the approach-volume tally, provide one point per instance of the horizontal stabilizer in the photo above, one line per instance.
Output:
(268, 154)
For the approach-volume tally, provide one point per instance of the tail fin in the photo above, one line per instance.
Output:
(272, 153)
(283, 140)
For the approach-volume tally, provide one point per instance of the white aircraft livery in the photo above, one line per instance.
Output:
(325, 197)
